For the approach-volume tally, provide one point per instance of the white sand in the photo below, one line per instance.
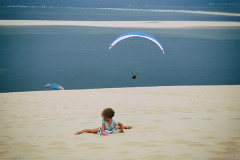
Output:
(180, 123)
(123, 24)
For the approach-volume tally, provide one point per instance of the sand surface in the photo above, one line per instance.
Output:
(123, 24)
(182, 123)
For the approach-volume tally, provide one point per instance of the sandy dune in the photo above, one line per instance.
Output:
(198, 122)
(123, 24)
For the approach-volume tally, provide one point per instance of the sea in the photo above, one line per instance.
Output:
(79, 57)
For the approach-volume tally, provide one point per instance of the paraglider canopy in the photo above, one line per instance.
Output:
(53, 86)
(136, 34)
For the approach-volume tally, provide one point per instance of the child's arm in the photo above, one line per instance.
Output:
(121, 126)
(103, 127)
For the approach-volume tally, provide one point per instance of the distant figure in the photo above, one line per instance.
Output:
(109, 125)
(134, 76)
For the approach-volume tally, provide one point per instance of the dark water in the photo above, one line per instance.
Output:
(203, 5)
(108, 14)
(79, 58)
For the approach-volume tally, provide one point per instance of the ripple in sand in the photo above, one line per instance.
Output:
(228, 143)
(197, 144)
(157, 121)
(236, 119)
(194, 130)
(28, 145)
(150, 128)
(158, 156)
(208, 138)
(189, 143)
(212, 111)
(217, 159)
(179, 141)
(29, 150)
(97, 146)
(235, 138)
(206, 119)
(58, 148)
(230, 147)
(134, 143)
(14, 158)
(4, 147)
(141, 144)
(227, 151)
(21, 126)
(70, 119)
(124, 152)
(186, 156)
(56, 145)
(86, 123)
(185, 118)
(3, 153)
(7, 126)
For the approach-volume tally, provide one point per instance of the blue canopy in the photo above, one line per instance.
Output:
(136, 34)
(53, 86)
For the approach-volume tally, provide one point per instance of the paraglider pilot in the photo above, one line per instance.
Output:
(134, 76)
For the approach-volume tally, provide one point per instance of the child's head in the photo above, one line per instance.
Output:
(108, 113)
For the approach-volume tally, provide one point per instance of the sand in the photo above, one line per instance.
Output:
(181, 122)
(123, 24)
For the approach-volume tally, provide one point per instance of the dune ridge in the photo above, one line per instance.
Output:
(181, 122)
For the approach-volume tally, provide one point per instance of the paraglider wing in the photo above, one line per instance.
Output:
(54, 86)
(136, 34)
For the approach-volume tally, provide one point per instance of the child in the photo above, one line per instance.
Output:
(109, 125)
